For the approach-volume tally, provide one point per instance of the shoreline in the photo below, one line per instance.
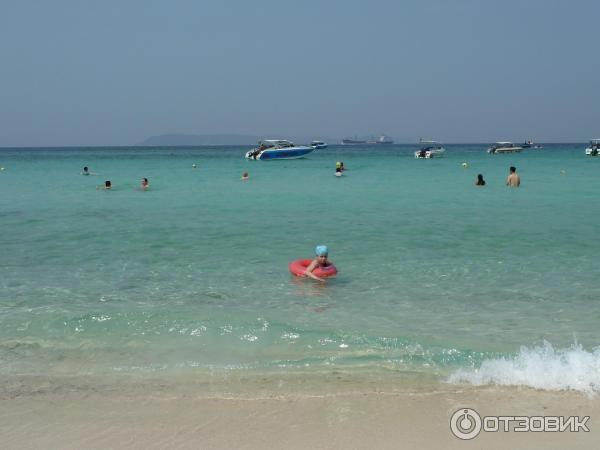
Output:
(258, 412)
(173, 418)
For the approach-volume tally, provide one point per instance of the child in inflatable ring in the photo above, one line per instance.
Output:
(320, 261)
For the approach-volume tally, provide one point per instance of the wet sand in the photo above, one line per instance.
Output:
(163, 416)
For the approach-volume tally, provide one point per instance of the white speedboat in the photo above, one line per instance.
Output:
(504, 147)
(430, 149)
(318, 144)
(278, 149)
(594, 148)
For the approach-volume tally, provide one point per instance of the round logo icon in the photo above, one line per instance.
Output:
(465, 423)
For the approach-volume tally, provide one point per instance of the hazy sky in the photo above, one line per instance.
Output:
(116, 72)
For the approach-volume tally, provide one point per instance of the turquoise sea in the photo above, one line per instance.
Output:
(439, 279)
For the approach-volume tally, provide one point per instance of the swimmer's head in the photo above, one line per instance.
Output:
(321, 250)
(85, 169)
(107, 184)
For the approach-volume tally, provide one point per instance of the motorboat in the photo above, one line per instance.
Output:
(430, 149)
(278, 149)
(504, 147)
(594, 148)
(530, 144)
(318, 144)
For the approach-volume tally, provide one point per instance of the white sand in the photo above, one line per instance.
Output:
(160, 417)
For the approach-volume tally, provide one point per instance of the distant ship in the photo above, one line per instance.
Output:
(381, 140)
(530, 144)
(352, 142)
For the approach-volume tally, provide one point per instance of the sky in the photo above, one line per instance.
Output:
(117, 72)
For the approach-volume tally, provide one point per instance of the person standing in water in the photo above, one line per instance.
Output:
(513, 179)
(480, 181)
(145, 185)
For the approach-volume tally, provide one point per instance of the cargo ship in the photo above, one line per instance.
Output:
(381, 140)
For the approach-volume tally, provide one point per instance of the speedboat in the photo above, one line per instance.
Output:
(504, 147)
(278, 149)
(430, 149)
(530, 144)
(318, 144)
(594, 148)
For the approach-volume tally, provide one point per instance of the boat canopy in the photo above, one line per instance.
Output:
(504, 143)
(595, 141)
(279, 143)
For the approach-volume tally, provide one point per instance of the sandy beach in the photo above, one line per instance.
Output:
(155, 415)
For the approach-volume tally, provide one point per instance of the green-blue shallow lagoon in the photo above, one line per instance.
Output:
(438, 277)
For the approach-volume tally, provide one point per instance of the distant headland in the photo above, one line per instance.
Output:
(199, 139)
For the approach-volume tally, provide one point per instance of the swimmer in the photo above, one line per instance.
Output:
(194, 166)
(465, 165)
(107, 185)
(1, 169)
(321, 260)
(145, 185)
(513, 179)
(245, 176)
(480, 181)
(86, 171)
(338, 172)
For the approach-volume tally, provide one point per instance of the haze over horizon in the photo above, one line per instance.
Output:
(113, 73)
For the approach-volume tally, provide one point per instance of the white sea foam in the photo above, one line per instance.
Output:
(540, 367)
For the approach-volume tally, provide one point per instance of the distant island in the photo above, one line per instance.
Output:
(199, 139)
(179, 139)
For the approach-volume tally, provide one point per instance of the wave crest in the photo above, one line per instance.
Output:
(540, 367)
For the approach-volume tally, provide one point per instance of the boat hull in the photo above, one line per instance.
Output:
(428, 154)
(281, 153)
(492, 151)
(353, 142)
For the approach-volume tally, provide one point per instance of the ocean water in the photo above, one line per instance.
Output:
(439, 279)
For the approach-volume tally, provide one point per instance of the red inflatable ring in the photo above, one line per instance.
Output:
(298, 267)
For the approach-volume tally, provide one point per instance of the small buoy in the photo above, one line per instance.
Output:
(465, 165)
(193, 166)
(1, 169)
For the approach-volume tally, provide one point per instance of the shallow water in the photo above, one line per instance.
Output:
(436, 275)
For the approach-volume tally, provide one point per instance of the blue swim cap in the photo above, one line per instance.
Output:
(321, 250)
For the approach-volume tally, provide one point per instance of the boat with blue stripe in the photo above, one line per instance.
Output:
(279, 149)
